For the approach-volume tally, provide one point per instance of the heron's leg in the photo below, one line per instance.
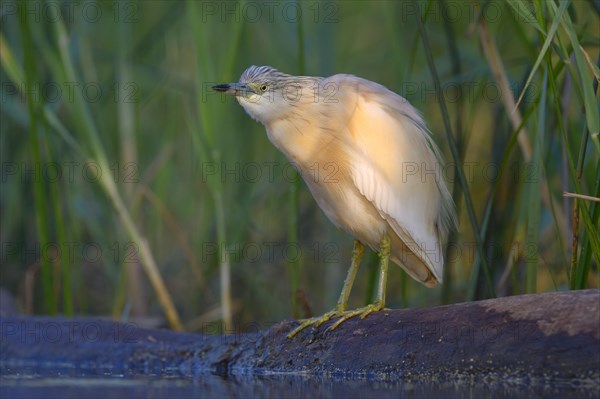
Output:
(379, 304)
(357, 255)
(342, 303)
(384, 254)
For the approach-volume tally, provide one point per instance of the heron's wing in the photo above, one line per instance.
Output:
(395, 167)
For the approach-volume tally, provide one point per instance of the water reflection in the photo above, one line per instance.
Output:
(26, 383)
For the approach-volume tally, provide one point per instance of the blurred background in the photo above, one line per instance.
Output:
(130, 190)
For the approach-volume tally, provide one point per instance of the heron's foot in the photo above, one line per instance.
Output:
(315, 321)
(343, 316)
(362, 312)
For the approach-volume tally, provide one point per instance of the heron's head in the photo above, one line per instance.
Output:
(267, 94)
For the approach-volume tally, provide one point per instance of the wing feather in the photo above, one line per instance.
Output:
(396, 166)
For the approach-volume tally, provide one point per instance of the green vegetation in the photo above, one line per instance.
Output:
(130, 188)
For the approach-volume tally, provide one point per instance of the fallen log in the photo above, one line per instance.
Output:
(550, 336)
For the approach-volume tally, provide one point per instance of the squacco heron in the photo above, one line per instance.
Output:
(370, 163)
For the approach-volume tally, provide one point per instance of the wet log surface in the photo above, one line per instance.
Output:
(551, 336)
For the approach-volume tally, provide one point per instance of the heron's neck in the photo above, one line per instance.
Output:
(297, 137)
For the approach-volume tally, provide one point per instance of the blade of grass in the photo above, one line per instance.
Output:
(549, 37)
(41, 213)
(567, 151)
(60, 219)
(498, 71)
(15, 74)
(125, 107)
(455, 153)
(591, 241)
(551, 75)
(508, 150)
(84, 121)
(128, 156)
(534, 194)
(456, 193)
(581, 196)
(590, 222)
(500, 76)
(294, 192)
(211, 152)
(592, 113)
(525, 14)
(579, 279)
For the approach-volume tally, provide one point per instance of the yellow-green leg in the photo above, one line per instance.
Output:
(379, 304)
(342, 302)
(357, 255)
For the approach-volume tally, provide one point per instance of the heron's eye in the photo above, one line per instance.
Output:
(263, 88)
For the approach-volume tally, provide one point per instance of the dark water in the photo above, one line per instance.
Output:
(55, 383)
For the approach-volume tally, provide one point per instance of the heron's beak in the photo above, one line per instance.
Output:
(234, 89)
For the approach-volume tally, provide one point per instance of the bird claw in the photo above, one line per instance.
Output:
(314, 321)
(362, 312)
(346, 315)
